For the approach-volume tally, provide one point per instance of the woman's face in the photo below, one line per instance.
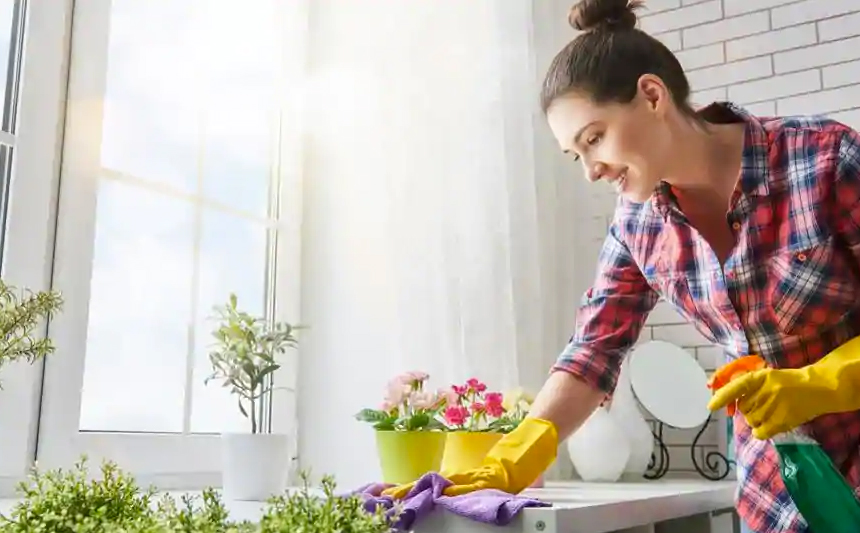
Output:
(627, 145)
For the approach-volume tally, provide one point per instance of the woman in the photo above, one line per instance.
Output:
(749, 226)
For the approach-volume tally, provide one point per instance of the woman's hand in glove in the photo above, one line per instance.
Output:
(774, 401)
(513, 464)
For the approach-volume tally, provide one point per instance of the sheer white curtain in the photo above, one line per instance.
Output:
(432, 228)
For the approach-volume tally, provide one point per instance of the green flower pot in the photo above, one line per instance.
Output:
(405, 456)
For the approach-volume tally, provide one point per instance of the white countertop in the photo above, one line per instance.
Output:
(580, 507)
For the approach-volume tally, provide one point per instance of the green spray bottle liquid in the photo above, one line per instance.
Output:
(818, 489)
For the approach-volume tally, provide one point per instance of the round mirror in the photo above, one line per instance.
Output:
(670, 384)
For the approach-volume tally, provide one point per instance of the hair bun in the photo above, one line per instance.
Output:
(592, 15)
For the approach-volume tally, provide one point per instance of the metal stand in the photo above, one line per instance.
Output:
(711, 465)
(659, 464)
(716, 465)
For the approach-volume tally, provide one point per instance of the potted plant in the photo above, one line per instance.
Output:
(472, 415)
(409, 437)
(244, 359)
(20, 313)
(476, 419)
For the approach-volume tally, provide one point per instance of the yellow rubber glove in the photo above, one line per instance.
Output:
(514, 463)
(778, 400)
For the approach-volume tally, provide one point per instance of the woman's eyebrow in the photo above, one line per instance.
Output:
(581, 131)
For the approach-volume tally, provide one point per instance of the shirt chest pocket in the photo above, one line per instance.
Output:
(810, 289)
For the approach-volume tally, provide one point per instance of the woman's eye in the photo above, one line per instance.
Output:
(594, 139)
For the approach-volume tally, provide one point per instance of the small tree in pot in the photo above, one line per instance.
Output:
(244, 359)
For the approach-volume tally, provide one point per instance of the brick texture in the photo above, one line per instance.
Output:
(771, 56)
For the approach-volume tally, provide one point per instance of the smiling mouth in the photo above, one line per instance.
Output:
(619, 182)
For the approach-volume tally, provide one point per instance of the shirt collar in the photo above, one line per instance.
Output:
(755, 171)
(755, 168)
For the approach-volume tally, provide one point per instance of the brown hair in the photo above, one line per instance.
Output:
(607, 60)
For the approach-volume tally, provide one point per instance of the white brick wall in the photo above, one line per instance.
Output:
(772, 57)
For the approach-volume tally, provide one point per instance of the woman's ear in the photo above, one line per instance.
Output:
(653, 92)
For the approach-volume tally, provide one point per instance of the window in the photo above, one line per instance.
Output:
(175, 191)
(12, 17)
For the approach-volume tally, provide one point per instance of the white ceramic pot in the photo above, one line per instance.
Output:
(599, 449)
(625, 410)
(255, 466)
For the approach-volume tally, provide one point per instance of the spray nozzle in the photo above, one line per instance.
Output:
(732, 370)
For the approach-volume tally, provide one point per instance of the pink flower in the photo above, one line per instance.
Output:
(417, 375)
(494, 401)
(455, 415)
(387, 407)
(413, 379)
(478, 407)
(447, 397)
(422, 400)
(460, 390)
(494, 397)
(476, 385)
(397, 392)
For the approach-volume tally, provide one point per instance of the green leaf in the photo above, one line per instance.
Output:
(435, 424)
(249, 369)
(372, 415)
(416, 421)
(22, 314)
(497, 422)
(268, 370)
(385, 425)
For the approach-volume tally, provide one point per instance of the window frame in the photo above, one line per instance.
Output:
(171, 461)
(30, 217)
(9, 110)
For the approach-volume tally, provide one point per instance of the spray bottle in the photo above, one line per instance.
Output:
(820, 492)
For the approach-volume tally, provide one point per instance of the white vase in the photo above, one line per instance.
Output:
(599, 449)
(625, 410)
(254, 466)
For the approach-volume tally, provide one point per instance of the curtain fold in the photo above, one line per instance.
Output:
(430, 237)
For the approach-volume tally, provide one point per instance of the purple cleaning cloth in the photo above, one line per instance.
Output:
(487, 506)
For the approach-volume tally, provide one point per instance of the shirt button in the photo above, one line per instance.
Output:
(736, 226)
(801, 257)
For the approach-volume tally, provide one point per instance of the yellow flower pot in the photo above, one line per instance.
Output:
(405, 456)
(465, 450)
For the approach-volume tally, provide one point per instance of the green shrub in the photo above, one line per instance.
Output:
(68, 501)
(21, 314)
(63, 501)
(306, 512)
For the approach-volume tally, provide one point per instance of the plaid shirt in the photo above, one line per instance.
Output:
(789, 290)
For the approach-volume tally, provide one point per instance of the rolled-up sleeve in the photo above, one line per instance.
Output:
(610, 317)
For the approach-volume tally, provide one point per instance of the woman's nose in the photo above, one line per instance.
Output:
(595, 172)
